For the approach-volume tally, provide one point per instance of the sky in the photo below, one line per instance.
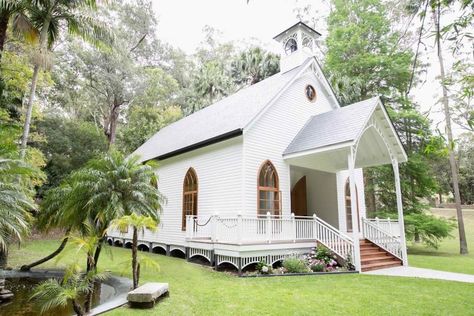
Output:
(181, 23)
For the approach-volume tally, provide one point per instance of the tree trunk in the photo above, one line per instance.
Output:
(29, 110)
(3, 258)
(4, 17)
(61, 247)
(43, 48)
(90, 267)
(134, 257)
(452, 160)
(97, 253)
(77, 308)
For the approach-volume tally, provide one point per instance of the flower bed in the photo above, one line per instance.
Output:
(320, 260)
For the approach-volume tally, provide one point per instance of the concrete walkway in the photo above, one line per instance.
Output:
(424, 273)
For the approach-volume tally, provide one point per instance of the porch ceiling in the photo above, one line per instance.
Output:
(327, 139)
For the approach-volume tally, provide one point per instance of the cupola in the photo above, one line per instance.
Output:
(298, 43)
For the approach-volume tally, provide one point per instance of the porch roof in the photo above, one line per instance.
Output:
(326, 139)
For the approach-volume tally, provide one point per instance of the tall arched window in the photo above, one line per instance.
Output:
(268, 190)
(349, 205)
(190, 196)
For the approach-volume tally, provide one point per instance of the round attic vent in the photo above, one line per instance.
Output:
(310, 93)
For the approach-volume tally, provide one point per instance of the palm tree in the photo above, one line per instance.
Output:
(15, 202)
(212, 81)
(55, 212)
(254, 65)
(104, 190)
(138, 224)
(114, 186)
(48, 17)
(14, 9)
(52, 293)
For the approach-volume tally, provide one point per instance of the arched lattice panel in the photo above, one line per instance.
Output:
(159, 249)
(193, 252)
(177, 252)
(144, 246)
(118, 242)
(227, 259)
(251, 260)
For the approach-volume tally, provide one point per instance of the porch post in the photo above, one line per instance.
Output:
(401, 222)
(355, 218)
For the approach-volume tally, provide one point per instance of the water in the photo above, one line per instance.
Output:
(21, 304)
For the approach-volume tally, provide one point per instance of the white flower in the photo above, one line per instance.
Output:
(264, 269)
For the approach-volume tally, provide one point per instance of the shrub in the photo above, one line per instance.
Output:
(264, 268)
(318, 267)
(324, 254)
(295, 265)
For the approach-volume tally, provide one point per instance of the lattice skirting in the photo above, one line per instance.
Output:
(193, 252)
(246, 261)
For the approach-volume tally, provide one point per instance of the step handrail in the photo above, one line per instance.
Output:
(382, 238)
(337, 231)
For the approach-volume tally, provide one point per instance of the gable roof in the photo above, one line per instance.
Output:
(221, 120)
(298, 24)
(334, 127)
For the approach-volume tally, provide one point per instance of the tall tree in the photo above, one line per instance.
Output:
(46, 17)
(254, 65)
(436, 6)
(366, 56)
(364, 59)
(129, 75)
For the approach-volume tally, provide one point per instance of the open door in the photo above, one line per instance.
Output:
(298, 198)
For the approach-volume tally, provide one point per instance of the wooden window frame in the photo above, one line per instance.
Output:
(275, 189)
(193, 194)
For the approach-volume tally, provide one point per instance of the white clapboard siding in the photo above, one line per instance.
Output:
(218, 169)
(271, 134)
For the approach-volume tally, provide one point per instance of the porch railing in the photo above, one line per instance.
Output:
(382, 238)
(389, 225)
(268, 229)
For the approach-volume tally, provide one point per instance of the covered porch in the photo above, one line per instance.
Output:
(343, 141)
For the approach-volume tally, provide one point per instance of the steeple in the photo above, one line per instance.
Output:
(298, 43)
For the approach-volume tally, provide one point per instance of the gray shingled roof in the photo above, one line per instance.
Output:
(333, 127)
(225, 116)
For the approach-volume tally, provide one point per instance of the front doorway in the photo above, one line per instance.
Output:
(299, 204)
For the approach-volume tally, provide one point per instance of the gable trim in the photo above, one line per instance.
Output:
(309, 62)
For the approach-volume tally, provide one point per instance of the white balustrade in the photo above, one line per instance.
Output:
(389, 225)
(267, 229)
(382, 238)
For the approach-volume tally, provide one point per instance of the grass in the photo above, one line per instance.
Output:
(447, 257)
(198, 290)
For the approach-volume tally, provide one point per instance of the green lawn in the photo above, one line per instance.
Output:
(447, 257)
(197, 290)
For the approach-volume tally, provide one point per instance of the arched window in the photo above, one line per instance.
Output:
(349, 205)
(190, 196)
(290, 46)
(268, 190)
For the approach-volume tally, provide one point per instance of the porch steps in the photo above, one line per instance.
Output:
(373, 257)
